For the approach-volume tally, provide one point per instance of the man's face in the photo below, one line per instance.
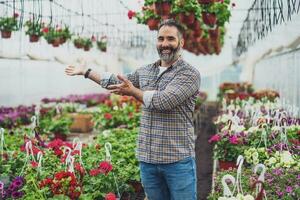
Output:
(168, 43)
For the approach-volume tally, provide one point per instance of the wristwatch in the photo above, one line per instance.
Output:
(86, 75)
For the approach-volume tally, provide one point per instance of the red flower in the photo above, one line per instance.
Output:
(108, 116)
(105, 167)
(110, 196)
(131, 14)
(16, 15)
(94, 172)
(75, 152)
(34, 164)
(45, 30)
(79, 168)
(108, 103)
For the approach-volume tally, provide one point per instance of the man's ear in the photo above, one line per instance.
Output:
(181, 42)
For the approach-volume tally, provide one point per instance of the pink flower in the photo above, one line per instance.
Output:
(214, 138)
(110, 196)
(233, 139)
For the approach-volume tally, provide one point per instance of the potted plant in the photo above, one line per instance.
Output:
(52, 35)
(216, 13)
(102, 44)
(65, 34)
(87, 44)
(187, 11)
(8, 24)
(78, 42)
(149, 17)
(58, 125)
(34, 30)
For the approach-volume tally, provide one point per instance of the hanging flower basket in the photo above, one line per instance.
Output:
(153, 24)
(5, 34)
(209, 18)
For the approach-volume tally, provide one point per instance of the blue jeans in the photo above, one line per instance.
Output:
(175, 181)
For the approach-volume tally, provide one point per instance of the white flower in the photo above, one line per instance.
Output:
(272, 160)
(286, 157)
(115, 108)
(106, 133)
(255, 155)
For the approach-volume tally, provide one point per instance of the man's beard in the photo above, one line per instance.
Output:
(168, 57)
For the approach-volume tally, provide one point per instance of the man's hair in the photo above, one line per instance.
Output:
(172, 22)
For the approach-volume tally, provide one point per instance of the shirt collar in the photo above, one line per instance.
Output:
(174, 65)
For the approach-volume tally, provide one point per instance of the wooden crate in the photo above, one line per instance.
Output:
(82, 123)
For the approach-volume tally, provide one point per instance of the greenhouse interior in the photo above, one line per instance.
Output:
(150, 99)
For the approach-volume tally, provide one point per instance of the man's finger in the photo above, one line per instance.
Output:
(122, 78)
(114, 86)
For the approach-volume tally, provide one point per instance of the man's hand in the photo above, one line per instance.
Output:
(125, 88)
(76, 70)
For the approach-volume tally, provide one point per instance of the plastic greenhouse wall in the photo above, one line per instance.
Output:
(282, 73)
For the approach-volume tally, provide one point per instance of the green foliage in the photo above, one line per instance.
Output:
(9, 23)
(34, 27)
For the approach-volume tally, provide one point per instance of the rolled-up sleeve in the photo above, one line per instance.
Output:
(185, 84)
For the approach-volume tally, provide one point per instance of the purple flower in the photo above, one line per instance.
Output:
(277, 172)
(17, 195)
(280, 194)
(298, 177)
(289, 189)
(1, 185)
(18, 182)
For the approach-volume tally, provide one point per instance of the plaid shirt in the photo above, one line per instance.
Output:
(166, 129)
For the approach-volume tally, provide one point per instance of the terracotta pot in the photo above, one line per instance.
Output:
(62, 40)
(209, 18)
(189, 19)
(78, 45)
(86, 48)
(137, 186)
(206, 1)
(197, 33)
(225, 165)
(214, 33)
(61, 136)
(6, 34)
(34, 38)
(153, 24)
(56, 42)
(166, 8)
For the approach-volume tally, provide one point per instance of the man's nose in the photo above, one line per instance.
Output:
(165, 43)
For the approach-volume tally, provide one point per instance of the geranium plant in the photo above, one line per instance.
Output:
(8, 24)
(34, 30)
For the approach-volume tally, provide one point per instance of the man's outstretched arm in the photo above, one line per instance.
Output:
(82, 70)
